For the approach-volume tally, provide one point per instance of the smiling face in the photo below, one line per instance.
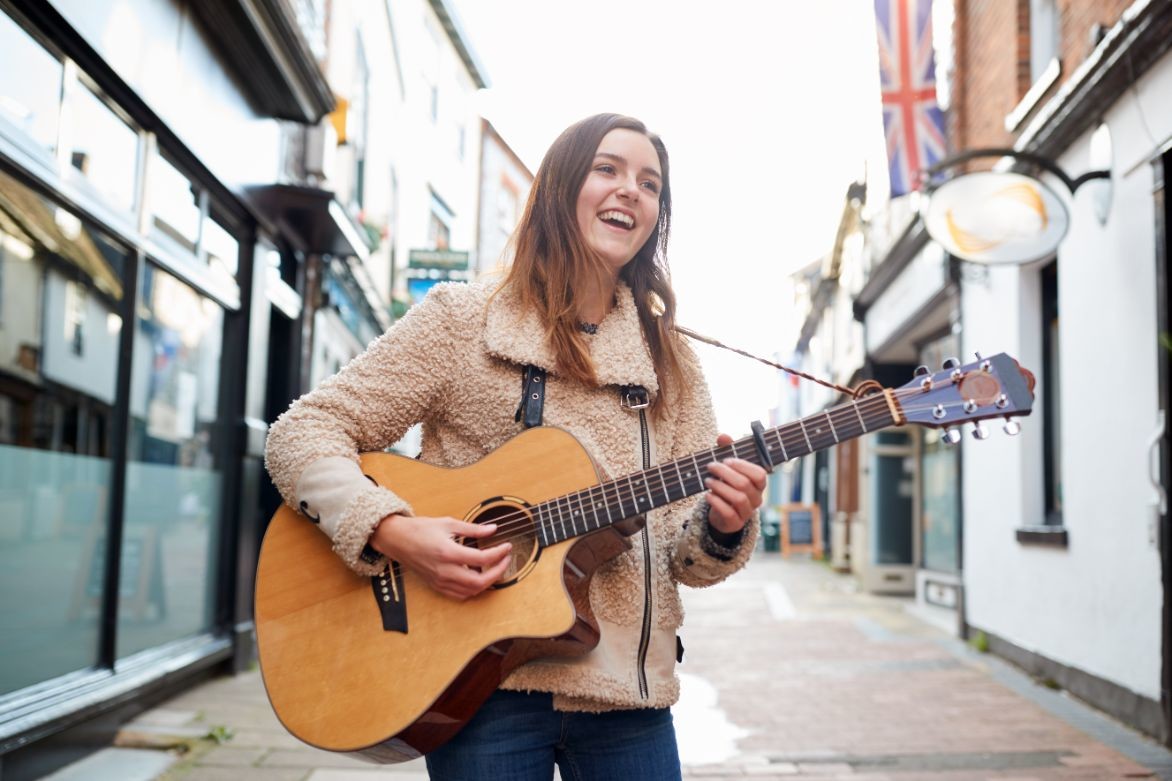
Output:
(618, 204)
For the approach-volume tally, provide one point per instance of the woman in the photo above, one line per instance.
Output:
(588, 300)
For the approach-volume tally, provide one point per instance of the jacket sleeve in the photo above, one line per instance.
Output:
(698, 559)
(312, 449)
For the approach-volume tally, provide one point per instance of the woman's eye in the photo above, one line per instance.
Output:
(604, 168)
(651, 186)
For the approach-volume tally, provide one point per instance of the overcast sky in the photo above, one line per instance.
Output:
(769, 109)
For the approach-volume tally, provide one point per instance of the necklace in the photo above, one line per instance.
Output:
(588, 328)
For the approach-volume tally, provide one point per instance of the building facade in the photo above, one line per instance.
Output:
(1054, 545)
(505, 182)
(198, 221)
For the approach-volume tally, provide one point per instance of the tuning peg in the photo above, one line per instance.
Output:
(922, 370)
(1011, 427)
(951, 363)
(979, 431)
(952, 436)
(979, 357)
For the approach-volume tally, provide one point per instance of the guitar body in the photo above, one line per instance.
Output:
(339, 681)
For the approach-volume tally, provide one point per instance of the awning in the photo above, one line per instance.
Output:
(323, 227)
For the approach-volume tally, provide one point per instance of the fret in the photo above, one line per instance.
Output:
(545, 541)
(855, 405)
(647, 488)
(635, 494)
(576, 514)
(666, 493)
(781, 443)
(802, 426)
(697, 478)
(833, 433)
(606, 506)
(561, 517)
(680, 475)
(594, 503)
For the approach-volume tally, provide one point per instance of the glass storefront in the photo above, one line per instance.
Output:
(64, 285)
(173, 484)
(30, 85)
(939, 482)
(61, 287)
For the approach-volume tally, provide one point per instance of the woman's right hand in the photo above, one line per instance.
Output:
(428, 547)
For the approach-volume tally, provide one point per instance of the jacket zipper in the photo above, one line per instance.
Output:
(645, 638)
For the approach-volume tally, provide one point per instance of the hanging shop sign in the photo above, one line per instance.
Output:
(997, 217)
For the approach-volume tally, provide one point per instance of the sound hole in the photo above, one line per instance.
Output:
(514, 524)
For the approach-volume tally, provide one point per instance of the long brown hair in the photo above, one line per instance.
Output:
(552, 260)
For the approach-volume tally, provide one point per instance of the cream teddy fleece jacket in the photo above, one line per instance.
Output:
(454, 364)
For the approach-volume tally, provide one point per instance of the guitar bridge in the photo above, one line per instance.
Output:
(391, 598)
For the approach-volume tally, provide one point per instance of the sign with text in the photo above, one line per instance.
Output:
(446, 259)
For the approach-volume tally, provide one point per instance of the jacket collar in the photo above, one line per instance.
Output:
(621, 355)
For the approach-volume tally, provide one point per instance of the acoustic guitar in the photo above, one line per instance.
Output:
(386, 669)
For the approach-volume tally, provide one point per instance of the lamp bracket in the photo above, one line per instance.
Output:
(1028, 157)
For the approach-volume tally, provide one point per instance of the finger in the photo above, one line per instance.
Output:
(468, 556)
(723, 439)
(727, 474)
(477, 530)
(743, 474)
(490, 576)
(741, 504)
(725, 513)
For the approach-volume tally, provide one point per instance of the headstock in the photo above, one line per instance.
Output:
(987, 388)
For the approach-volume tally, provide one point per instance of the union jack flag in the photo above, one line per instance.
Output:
(912, 121)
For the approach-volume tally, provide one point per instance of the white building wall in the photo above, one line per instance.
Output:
(1095, 605)
(501, 205)
(435, 160)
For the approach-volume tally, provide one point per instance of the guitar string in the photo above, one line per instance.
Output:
(523, 523)
(623, 494)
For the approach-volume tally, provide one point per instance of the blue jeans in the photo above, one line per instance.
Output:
(518, 737)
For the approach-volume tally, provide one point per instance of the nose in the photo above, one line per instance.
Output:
(629, 189)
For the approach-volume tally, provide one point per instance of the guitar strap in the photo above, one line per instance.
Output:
(532, 396)
(532, 404)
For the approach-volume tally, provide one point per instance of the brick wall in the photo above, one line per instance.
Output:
(992, 42)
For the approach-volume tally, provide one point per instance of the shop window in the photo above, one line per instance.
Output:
(30, 85)
(940, 525)
(104, 148)
(174, 204)
(1044, 36)
(60, 334)
(439, 230)
(220, 249)
(173, 480)
(1051, 397)
(358, 120)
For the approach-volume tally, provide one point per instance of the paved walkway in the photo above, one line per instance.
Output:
(790, 674)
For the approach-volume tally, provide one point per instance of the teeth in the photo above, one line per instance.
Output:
(618, 216)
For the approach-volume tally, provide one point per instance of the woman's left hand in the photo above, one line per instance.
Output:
(735, 489)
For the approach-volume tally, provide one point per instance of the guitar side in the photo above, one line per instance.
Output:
(338, 681)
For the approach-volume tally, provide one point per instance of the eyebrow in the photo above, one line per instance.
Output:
(623, 160)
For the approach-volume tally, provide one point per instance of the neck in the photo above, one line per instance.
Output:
(597, 300)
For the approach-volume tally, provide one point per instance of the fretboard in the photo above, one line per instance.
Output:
(590, 509)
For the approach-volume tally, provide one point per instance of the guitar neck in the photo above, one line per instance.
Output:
(574, 514)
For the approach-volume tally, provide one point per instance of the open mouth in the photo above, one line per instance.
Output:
(618, 219)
